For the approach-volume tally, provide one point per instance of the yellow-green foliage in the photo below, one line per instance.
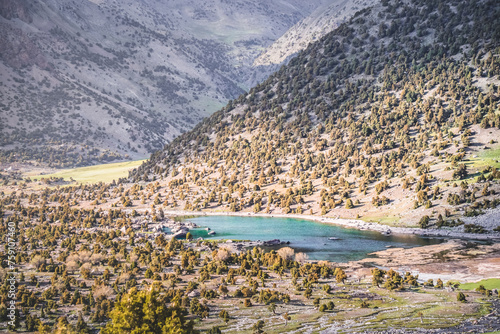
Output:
(95, 174)
(492, 283)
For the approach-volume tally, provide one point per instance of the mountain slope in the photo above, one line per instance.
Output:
(92, 81)
(320, 22)
(394, 113)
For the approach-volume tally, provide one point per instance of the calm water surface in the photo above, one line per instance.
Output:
(306, 236)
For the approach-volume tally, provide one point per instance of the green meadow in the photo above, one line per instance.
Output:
(93, 174)
(492, 283)
(488, 157)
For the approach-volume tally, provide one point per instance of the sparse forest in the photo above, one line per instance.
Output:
(371, 109)
(394, 114)
(85, 269)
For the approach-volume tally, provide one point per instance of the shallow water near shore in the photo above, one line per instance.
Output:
(305, 236)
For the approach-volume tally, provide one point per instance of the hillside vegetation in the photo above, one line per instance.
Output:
(379, 118)
(391, 117)
(110, 271)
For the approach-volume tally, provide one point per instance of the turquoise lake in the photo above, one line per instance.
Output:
(305, 236)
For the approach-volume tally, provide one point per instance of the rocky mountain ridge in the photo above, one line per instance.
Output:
(311, 28)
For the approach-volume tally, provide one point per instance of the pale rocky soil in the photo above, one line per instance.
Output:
(323, 20)
(489, 220)
(453, 260)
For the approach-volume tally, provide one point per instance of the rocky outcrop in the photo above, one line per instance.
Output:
(275, 242)
(323, 20)
(18, 50)
(12, 9)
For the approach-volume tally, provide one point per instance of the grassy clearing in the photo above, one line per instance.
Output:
(93, 174)
(483, 159)
(211, 105)
(492, 283)
(488, 157)
(382, 219)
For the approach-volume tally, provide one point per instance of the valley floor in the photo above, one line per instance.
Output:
(423, 309)
(359, 305)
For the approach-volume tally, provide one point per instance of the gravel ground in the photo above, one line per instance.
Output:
(485, 324)
(490, 219)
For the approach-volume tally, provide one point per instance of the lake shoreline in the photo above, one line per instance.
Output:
(350, 223)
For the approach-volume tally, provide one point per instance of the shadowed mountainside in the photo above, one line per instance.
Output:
(90, 81)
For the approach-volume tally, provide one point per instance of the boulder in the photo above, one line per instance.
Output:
(193, 294)
(180, 234)
(272, 242)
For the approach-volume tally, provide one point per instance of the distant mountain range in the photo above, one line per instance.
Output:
(90, 81)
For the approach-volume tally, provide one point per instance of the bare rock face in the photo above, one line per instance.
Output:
(12, 9)
(19, 50)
